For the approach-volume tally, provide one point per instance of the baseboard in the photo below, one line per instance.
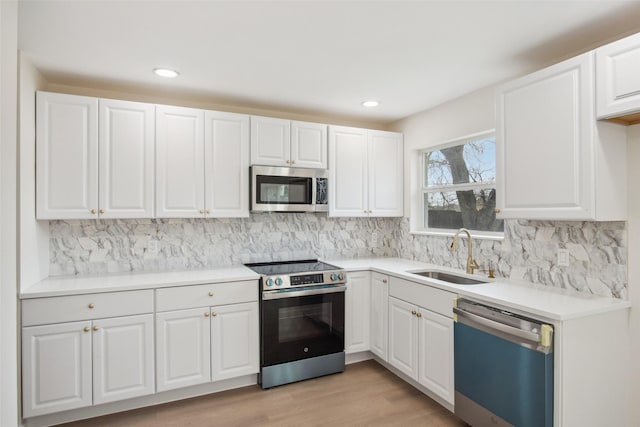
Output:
(360, 356)
(140, 402)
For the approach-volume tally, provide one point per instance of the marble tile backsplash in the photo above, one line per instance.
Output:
(598, 257)
(109, 246)
(528, 252)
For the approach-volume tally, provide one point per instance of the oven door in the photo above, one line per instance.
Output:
(298, 327)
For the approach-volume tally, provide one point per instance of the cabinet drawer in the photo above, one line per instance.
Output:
(180, 297)
(433, 299)
(40, 311)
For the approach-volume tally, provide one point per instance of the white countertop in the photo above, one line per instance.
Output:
(538, 301)
(71, 285)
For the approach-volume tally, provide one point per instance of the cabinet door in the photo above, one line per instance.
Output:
(379, 323)
(348, 191)
(545, 143)
(436, 354)
(618, 78)
(123, 358)
(66, 156)
(308, 145)
(357, 303)
(183, 348)
(270, 141)
(403, 337)
(385, 173)
(127, 156)
(234, 340)
(179, 162)
(56, 368)
(227, 164)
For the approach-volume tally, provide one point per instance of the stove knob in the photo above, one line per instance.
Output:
(334, 276)
(341, 276)
(278, 281)
(269, 282)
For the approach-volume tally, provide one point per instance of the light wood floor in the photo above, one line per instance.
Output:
(366, 394)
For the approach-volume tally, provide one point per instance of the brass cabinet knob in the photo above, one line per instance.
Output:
(206, 314)
(91, 305)
(288, 162)
(210, 293)
(384, 280)
(497, 210)
(419, 314)
(293, 162)
(95, 328)
(93, 211)
(87, 329)
(214, 314)
(101, 211)
(413, 312)
(207, 211)
(201, 211)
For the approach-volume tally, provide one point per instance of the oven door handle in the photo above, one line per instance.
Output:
(303, 293)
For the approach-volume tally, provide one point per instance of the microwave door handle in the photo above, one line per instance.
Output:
(314, 191)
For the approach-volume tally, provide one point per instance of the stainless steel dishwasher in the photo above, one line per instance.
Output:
(503, 367)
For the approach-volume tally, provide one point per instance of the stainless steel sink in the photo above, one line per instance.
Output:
(448, 277)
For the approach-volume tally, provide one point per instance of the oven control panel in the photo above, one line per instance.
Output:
(306, 279)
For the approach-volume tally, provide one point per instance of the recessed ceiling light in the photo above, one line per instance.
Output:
(165, 72)
(370, 104)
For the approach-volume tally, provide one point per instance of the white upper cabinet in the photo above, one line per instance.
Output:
(226, 147)
(308, 145)
(180, 162)
(66, 156)
(279, 142)
(553, 160)
(385, 173)
(618, 79)
(95, 157)
(127, 144)
(366, 172)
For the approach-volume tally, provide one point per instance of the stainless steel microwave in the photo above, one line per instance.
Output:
(279, 189)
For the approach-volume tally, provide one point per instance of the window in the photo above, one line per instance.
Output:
(458, 185)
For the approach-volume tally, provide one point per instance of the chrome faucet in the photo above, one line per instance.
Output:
(471, 263)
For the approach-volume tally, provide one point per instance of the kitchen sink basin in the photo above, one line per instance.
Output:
(448, 277)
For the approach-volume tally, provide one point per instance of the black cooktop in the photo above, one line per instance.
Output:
(290, 267)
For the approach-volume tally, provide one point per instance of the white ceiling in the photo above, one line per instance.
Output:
(314, 57)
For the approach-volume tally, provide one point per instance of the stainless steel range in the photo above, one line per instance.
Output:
(301, 320)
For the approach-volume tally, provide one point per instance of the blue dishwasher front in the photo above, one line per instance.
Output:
(503, 368)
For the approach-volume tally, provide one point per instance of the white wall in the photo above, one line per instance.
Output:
(34, 235)
(633, 226)
(466, 115)
(9, 371)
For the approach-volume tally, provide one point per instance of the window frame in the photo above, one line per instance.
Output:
(420, 226)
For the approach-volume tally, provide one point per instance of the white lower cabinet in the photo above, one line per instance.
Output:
(357, 302)
(435, 367)
(73, 365)
(206, 333)
(234, 341)
(200, 345)
(56, 368)
(403, 337)
(122, 358)
(379, 316)
(183, 348)
(421, 335)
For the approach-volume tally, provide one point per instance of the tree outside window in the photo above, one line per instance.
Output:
(459, 185)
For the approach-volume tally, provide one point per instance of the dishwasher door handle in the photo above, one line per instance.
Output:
(497, 326)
